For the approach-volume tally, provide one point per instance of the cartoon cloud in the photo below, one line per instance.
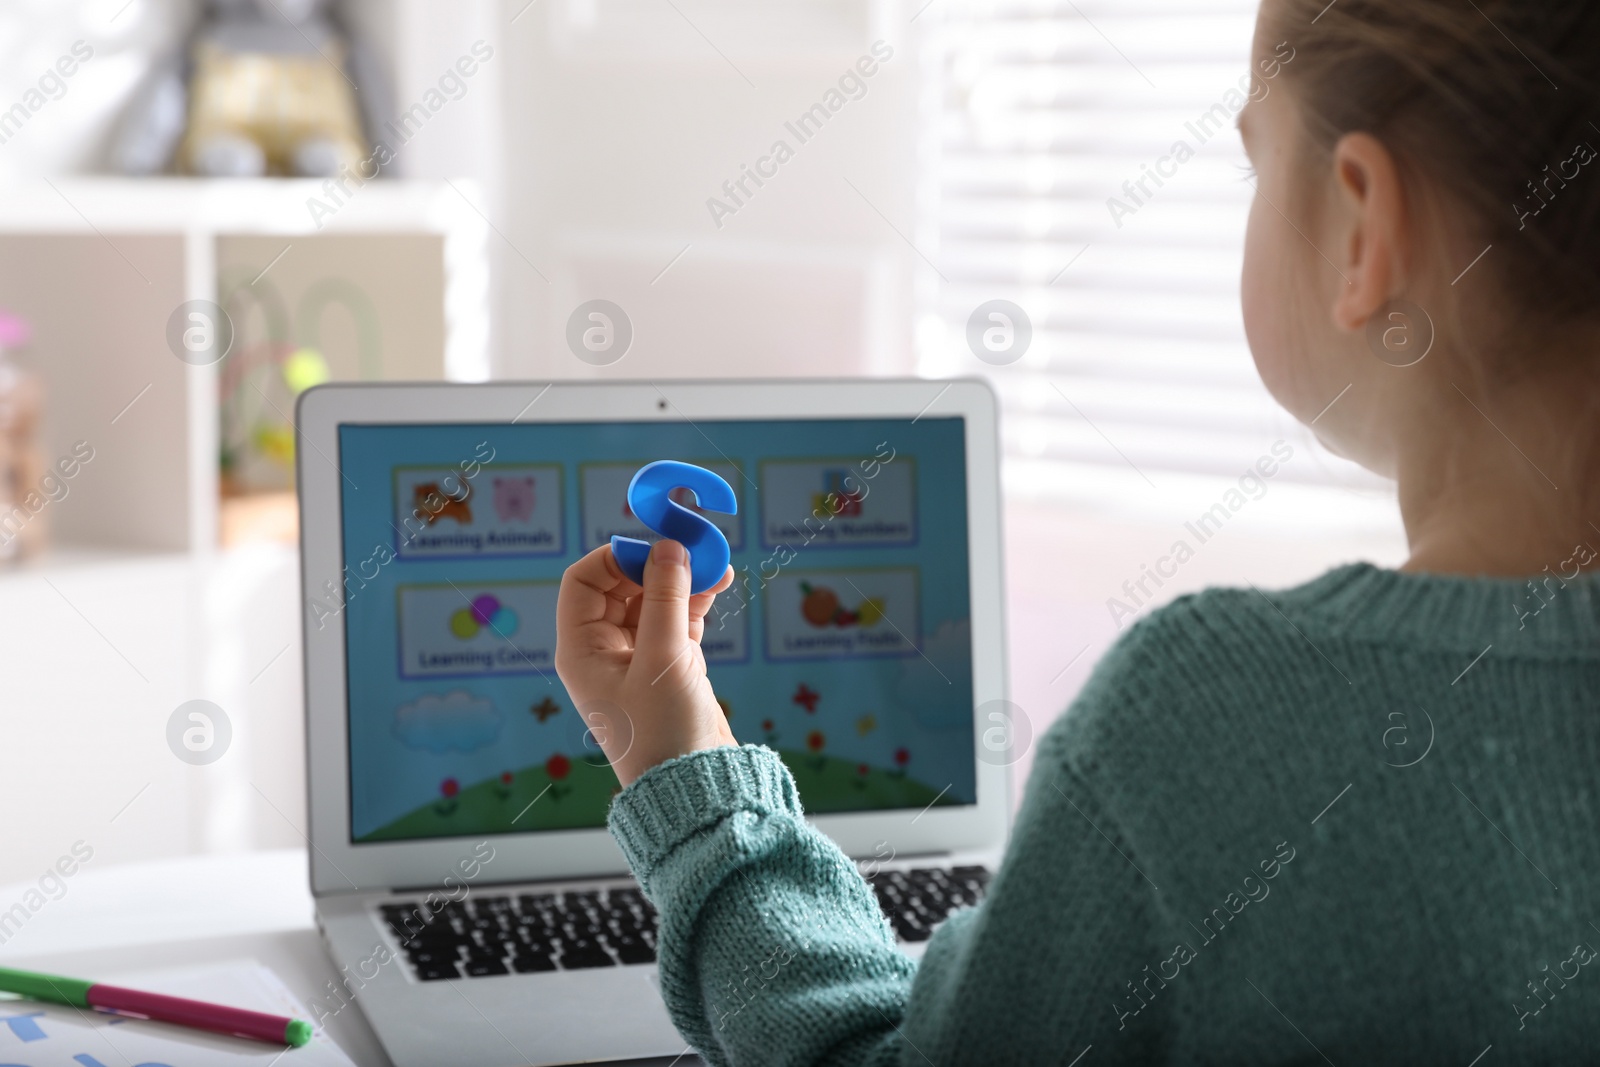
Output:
(456, 721)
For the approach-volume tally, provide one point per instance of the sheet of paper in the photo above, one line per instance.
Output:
(50, 1035)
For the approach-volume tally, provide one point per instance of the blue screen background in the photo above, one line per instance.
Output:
(418, 717)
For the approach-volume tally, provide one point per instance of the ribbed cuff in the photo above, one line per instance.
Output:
(675, 800)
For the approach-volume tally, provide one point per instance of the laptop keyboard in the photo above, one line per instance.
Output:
(919, 899)
(528, 933)
(524, 934)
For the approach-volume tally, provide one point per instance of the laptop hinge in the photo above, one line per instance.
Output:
(902, 857)
(477, 886)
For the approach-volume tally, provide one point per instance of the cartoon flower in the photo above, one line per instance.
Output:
(862, 770)
(558, 767)
(770, 729)
(816, 742)
(448, 789)
(902, 756)
(504, 788)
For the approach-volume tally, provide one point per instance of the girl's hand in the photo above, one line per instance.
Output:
(631, 661)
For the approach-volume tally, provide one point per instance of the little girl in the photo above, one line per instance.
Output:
(1225, 853)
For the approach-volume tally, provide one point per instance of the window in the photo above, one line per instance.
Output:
(1044, 123)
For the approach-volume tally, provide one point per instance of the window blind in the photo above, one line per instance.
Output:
(1043, 124)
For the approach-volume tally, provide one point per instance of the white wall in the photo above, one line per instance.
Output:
(593, 138)
(621, 129)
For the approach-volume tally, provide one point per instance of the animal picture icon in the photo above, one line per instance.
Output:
(821, 607)
(835, 499)
(431, 504)
(513, 498)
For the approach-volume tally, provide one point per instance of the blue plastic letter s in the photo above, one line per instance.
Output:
(649, 501)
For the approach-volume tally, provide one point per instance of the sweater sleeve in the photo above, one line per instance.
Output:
(773, 951)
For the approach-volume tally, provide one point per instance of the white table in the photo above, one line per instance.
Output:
(189, 911)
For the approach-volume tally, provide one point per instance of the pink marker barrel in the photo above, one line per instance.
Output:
(259, 1026)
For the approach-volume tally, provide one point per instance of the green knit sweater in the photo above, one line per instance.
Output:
(1353, 822)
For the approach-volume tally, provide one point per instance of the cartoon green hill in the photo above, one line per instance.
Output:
(830, 785)
(577, 801)
(580, 799)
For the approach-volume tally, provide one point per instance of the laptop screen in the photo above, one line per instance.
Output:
(844, 645)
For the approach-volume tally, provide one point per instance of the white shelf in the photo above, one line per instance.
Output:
(268, 206)
(100, 263)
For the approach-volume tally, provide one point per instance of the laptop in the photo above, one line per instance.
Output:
(467, 889)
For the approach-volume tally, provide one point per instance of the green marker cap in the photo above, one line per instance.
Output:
(297, 1033)
(47, 987)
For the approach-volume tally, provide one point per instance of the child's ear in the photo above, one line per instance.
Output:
(1370, 228)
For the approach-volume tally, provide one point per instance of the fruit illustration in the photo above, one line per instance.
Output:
(820, 605)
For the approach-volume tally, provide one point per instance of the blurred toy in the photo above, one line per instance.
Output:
(263, 87)
(263, 376)
(22, 522)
